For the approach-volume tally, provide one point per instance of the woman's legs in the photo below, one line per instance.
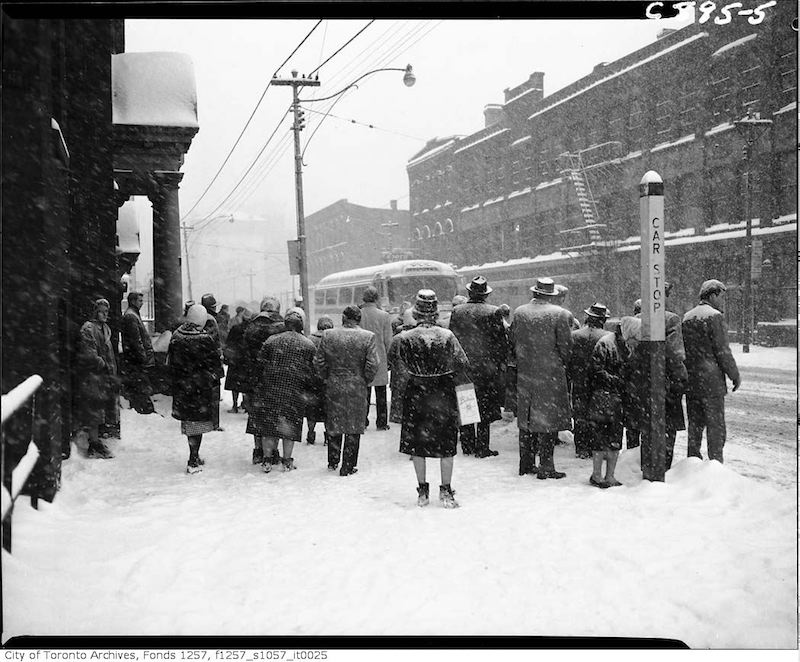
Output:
(447, 470)
(235, 408)
(419, 468)
(611, 464)
(195, 462)
(597, 465)
(288, 447)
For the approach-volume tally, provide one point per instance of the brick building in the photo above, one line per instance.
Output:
(346, 236)
(553, 180)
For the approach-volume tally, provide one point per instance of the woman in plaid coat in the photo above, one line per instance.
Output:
(284, 381)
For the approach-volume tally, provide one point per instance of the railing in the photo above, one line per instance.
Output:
(9, 405)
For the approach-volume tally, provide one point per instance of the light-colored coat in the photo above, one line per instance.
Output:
(541, 337)
(347, 361)
(380, 323)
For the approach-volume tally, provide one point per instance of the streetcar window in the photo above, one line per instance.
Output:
(330, 297)
(406, 288)
(358, 293)
(345, 296)
(319, 297)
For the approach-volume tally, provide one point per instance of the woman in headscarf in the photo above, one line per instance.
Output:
(435, 362)
(194, 358)
(236, 358)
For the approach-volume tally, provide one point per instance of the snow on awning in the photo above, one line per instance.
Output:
(733, 44)
(786, 108)
(153, 89)
(480, 140)
(679, 141)
(128, 229)
(725, 126)
(519, 141)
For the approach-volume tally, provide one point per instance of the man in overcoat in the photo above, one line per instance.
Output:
(380, 323)
(347, 361)
(583, 342)
(708, 362)
(541, 339)
(137, 356)
(267, 323)
(479, 328)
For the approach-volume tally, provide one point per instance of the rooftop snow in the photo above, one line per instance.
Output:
(786, 108)
(480, 140)
(733, 44)
(427, 155)
(519, 141)
(679, 141)
(153, 89)
(620, 72)
(725, 126)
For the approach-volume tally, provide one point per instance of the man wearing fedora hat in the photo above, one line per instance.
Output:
(583, 342)
(541, 339)
(479, 328)
(708, 362)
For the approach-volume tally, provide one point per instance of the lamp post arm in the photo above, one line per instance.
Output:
(344, 89)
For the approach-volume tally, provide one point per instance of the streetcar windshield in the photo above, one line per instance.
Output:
(405, 288)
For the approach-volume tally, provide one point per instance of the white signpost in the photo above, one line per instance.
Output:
(651, 216)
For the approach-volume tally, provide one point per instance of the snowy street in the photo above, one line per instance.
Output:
(135, 546)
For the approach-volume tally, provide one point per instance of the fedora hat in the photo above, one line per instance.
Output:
(712, 286)
(426, 302)
(597, 310)
(478, 285)
(545, 287)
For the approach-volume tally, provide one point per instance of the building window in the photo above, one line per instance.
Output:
(635, 116)
(426, 232)
(437, 229)
(416, 235)
(448, 225)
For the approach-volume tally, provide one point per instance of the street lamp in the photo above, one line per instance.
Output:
(297, 126)
(751, 127)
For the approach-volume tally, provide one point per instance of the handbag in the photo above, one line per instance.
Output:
(468, 412)
(605, 406)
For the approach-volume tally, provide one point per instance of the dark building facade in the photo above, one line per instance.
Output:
(346, 236)
(67, 167)
(550, 185)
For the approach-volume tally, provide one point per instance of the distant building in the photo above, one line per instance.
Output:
(346, 236)
(549, 186)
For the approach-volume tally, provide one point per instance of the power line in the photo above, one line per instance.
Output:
(342, 47)
(227, 158)
(369, 126)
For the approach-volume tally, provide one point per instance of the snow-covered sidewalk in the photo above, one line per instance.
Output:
(135, 546)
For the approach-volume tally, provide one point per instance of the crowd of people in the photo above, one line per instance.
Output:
(538, 363)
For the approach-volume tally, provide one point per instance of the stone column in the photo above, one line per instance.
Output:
(167, 286)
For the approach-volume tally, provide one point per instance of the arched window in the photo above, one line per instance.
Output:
(426, 232)
(416, 235)
(448, 225)
(437, 229)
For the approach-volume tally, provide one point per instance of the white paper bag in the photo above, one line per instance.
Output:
(468, 412)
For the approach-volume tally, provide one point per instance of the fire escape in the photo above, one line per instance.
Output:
(586, 236)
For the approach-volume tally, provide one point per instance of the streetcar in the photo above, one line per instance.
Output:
(396, 282)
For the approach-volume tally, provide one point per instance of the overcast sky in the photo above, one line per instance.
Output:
(461, 65)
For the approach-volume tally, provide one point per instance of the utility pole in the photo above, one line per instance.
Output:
(748, 127)
(297, 126)
(250, 275)
(186, 229)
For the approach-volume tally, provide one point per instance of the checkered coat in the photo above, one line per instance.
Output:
(284, 381)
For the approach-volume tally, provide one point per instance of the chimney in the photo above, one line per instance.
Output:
(535, 84)
(393, 205)
(492, 113)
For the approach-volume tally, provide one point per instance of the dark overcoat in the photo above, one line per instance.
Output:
(583, 342)
(193, 356)
(541, 337)
(397, 381)
(435, 363)
(235, 353)
(606, 380)
(283, 384)
(315, 407)
(347, 360)
(261, 327)
(480, 331)
(137, 352)
(708, 355)
(97, 370)
(380, 323)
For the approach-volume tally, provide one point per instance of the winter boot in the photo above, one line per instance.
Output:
(423, 494)
(311, 437)
(266, 465)
(195, 466)
(446, 496)
(276, 457)
(258, 455)
(99, 450)
(288, 464)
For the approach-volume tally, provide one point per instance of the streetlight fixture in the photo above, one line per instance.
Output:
(751, 127)
(298, 125)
